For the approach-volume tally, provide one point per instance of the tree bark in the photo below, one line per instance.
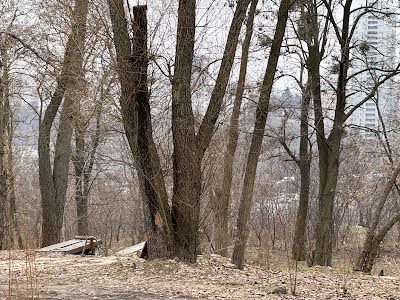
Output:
(186, 163)
(189, 148)
(3, 184)
(135, 107)
(257, 137)
(53, 180)
(329, 148)
(223, 197)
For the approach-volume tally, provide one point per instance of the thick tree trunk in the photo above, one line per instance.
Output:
(329, 172)
(299, 240)
(135, 107)
(223, 197)
(188, 148)
(257, 138)
(53, 181)
(186, 163)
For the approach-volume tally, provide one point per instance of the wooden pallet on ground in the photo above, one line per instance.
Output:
(74, 246)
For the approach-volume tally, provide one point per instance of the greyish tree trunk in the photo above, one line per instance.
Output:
(221, 207)
(3, 184)
(299, 239)
(53, 178)
(13, 225)
(83, 160)
(257, 137)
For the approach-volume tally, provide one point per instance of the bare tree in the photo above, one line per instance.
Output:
(258, 134)
(223, 195)
(53, 178)
(329, 145)
(176, 226)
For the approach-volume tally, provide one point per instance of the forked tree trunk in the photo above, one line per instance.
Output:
(135, 107)
(53, 180)
(374, 235)
(223, 196)
(257, 138)
(178, 228)
(328, 147)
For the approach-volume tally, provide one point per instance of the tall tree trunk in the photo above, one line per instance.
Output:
(186, 163)
(3, 184)
(257, 138)
(53, 180)
(132, 71)
(329, 148)
(299, 240)
(14, 230)
(188, 148)
(223, 197)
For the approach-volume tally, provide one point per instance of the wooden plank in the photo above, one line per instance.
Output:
(132, 249)
(74, 248)
(59, 245)
(70, 246)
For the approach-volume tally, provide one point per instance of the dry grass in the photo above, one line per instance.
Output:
(56, 276)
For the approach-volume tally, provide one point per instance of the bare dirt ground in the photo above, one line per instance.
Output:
(56, 276)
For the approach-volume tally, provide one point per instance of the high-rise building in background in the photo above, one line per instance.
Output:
(376, 47)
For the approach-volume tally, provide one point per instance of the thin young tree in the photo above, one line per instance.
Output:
(258, 135)
(223, 195)
(3, 141)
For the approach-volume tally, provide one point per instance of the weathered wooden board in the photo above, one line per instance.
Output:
(71, 246)
(132, 249)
